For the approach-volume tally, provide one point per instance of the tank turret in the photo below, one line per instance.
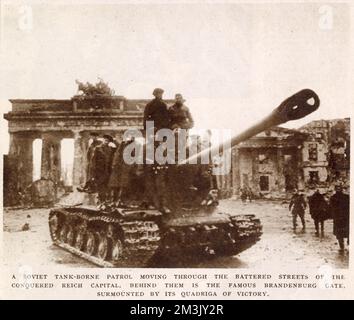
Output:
(133, 233)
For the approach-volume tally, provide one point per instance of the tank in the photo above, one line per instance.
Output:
(136, 235)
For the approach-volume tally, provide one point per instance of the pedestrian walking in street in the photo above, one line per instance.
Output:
(339, 208)
(319, 211)
(297, 207)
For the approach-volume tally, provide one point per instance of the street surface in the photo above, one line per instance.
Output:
(279, 246)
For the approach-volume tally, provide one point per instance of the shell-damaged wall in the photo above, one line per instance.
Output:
(326, 153)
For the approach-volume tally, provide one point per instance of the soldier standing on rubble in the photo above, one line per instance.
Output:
(339, 207)
(156, 110)
(101, 166)
(297, 207)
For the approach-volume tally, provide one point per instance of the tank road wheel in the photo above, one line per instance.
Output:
(90, 244)
(102, 251)
(70, 237)
(63, 233)
(117, 250)
(80, 239)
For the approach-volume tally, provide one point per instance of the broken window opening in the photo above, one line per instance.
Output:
(314, 178)
(313, 154)
(264, 183)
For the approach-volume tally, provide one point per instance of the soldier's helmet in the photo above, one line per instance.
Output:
(157, 91)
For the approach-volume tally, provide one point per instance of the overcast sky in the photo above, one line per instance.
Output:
(232, 62)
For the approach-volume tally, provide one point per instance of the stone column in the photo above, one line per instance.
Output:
(84, 145)
(51, 157)
(280, 171)
(14, 137)
(255, 176)
(79, 154)
(21, 152)
(300, 168)
(235, 171)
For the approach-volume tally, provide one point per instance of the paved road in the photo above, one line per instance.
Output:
(279, 246)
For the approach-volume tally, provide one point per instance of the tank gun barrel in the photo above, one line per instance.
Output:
(295, 107)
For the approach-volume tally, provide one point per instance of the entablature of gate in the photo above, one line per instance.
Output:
(56, 115)
(68, 121)
(76, 114)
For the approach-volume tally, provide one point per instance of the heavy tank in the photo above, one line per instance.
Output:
(134, 236)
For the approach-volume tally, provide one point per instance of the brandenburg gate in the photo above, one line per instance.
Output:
(54, 120)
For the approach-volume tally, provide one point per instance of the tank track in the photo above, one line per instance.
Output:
(105, 240)
(113, 240)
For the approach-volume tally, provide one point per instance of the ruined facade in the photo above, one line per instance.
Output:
(275, 162)
(327, 152)
(268, 164)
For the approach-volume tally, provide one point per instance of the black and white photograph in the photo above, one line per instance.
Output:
(167, 135)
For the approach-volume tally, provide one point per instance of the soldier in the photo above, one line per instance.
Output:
(180, 116)
(156, 183)
(339, 207)
(156, 110)
(89, 186)
(297, 207)
(318, 210)
(121, 172)
(101, 167)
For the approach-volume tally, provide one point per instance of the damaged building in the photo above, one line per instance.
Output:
(328, 152)
(277, 161)
(268, 164)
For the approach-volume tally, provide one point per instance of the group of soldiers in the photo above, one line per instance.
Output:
(109, 175)
(321, 209)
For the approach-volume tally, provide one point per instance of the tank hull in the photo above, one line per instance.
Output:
(134, 238)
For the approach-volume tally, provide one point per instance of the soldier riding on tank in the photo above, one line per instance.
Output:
(121, 173)
(89, 184)
(101, 168)
(180, 116)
